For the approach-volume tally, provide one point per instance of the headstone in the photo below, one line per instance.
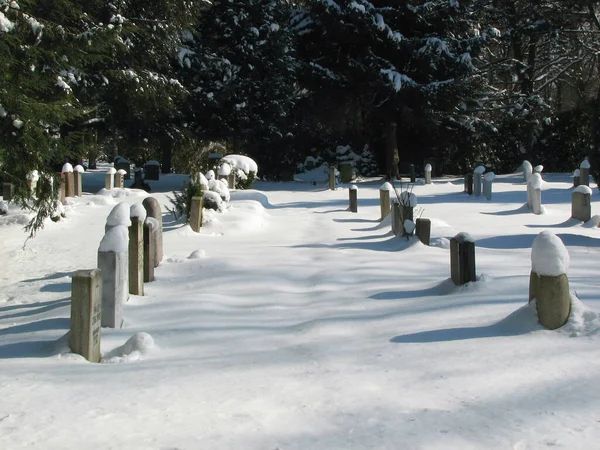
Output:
(488, 180)
(423, 230)
(462, 259)
(346, 172)
(196, 213)
(153, 209)
(576, 178)
(477, 179)
(86, 314)
(332, 178)
(428, 174)
(32, 179)
(67, 175)
(7, 191)
(469, 183)
(397, 227)
(119, 178)
(150, 230)
(534, 189)
(152, 170)
(114, 264)
(584, 172)
(109, 179)
(123, 164)
(353, 193)
(384, 199)
(78, 180)
(136, 256)
(527, 170)
(581, 205)
(413, 173)
(231, 180)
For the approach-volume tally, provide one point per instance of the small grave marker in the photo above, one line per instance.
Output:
(150, 229)
(332, 178)
(477, 179)
(67, 175)
(78, 171)
(469, 183)
(428, 174)
(462, 259)
(196, 213)
(153, 210)
(584, 172)
(152, 170)
(488, 180)
(86, 314)
(346, 172)
(7, 191)
(384, 199)
(423, 230)
(581, 205)
(109, 179)
(136, 250)
(113, 262)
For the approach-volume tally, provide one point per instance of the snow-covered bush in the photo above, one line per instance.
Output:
(220, 188)
(245, 169)
(182, 200)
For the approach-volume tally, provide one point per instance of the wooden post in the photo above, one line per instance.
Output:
(413, 174)
(396, 219)
(136, 257)
(196, 213)
(86, 314)
(469, 183)
(462, 259)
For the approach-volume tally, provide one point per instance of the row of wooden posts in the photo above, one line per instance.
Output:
(98, 295)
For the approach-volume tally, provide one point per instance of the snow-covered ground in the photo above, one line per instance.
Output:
(291, 323)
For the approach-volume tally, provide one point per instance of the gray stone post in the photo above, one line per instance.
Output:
(462, 259)
(332, 178)
(353, 197)
(149, 249)
(113, 262)
(423, 230)
(109, 179)
(69, 184)
(7, 191)
(77, 184)
(584, 172)
(231, 180)
(136, 257)
(196, 213)
(428, 174)
(153, 209)
(581, 205)
(119, 179)
(576, 178)
(488, 180)
(62, 190)
(477, 184)
(397, 227)
(469, 183)
(413, 173)
(384, 201)
(86, 314)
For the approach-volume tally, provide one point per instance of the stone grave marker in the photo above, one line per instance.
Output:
(32, 180)
(427, 173)
(423, 230)
(123, 164)
(462, 259)
(152, 170)
(413, 173)
(384, 199)
(535, 192)
(397, 227)
(196, 213)
(78, 171)
(114, 264)
(584, 172)
(150, 229)
(576, 178)
(153, 210)
(119, 176)
(469, 183)
(527, 170)
(231, 180)
(353, 194)
(224, 171)
(332, 178)
(109, 179)
(346, 171)
(477, 179)
(488, 180)
(136, 249)
(581, 204)
(67, 175)
(86, 314)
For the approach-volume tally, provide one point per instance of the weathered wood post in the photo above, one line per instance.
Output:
(469, 183)
(78, 171)
(150, 230)
(32, 179)
(67, 175)
(584, 172)
(112, 261)
(488, 180)
(136, 249)
(576, 178)
(109, 179)
(536, 193)
(332, 178)
(427, 173)
(353, 198)
(384, 199)
(7, 191)
(581, 204)
(86, 314)
(462, 259)
(153, 210)
(196, 213)
(423, 230)
(548, 283)
(477, 178)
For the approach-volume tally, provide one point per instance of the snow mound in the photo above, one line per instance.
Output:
(3, 207)
(212, 200)
(134, 349)
(210, 175)
(489, 176)
(67, 168)
(549, 256)
(119, 215)
(122, 192)
(583, 189)
(583, 320)
(111, 171)
(251, 194)
(115, 240)
(318, 174)
(408, 199)
(536, 181)
(241, 162)
(225, 169)
(197, 254)
(409, 226)
(585, 164)
(220, 188)
(538, 169)
(100, 200)
(441, 242)
(386, 187)
(595, 221)
(138, 210)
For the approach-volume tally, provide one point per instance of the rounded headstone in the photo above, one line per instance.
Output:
(153, 209)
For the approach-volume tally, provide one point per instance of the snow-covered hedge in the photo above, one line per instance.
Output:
(244, 167)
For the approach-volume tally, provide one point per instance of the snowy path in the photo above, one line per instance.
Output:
(305, 327)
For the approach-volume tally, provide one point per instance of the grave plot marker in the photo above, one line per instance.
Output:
(332, 178)
(86, 314)
(428, 174)
(67, 175)
(581, 205)
(109, 179)
(153, 210)
(584, 172)
(462, 259)
(488, 180)
(196, 213)
(150, 229)
(353, 194)
(78, 171)
(423, 230)
(136, 249)
(384, 199)
(114, 264)
(477, 178)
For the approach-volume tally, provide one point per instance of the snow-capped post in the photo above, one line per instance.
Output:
(584, 172)
(136, 249)
(152, 170)
(488, 180)
(527, 170)
(123, 164)
(477, 177)
(67, 175)
(469, 183)
(224, 171)
(408, 202)
(423, 230)
(548, 282)
(78, 171)
(576, 178)
(413, 173)
(109, 180)
(538, 169)
(113, 262)
(384, 199)
(150, 230)
(332, 178)
(7, 191)
(119, 176)
(86, 314)
(32, 179)
(153, 210)
(119, 215)
(581, 205)
(396, 218)
(346, 171)
(353, 194)
(196, 213)
(534, 188)
(62, 190)
(462, 259)
(427, 173)
(231, 180)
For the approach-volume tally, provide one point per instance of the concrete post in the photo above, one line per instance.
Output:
(462, 259)
(488, 180)
(332, 178)
(353, 194)
(231, 180)
(196, 213)
(428, 174)
(584, 172)
(153, 209)
(469, 183)
(581, 205)
(136, 257)
(86, 314)
(109, 179)
(413, 173)
(423, 230)
(384, 201)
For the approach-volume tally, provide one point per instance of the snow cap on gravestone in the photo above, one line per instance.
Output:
(67, 168)
(527, 168)
(111, 171)
(33, 175)
(549, 256)
(583, 189)
(353, 187)
(224, 170)
(479, 169)
(122, 172)
(538, 169)
(79, 168)
(115, 240)
(489, 176)
(210, 175)
(463, 237)
(427, 167)
(408, 199)
(536, 181)
(387, 186)
(577, 173)
(138, 210)
(585, 164)
(120, 215)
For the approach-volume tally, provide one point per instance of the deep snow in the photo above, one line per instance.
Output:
(290, 323)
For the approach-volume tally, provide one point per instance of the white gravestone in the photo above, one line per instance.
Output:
(109, 180)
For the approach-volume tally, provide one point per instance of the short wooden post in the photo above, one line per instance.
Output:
(423, 230)
(196, 213)
(78, 181)
(581, 205)
(332, 178)
(462, 259)
(86, 314)
(136, 257)
(7, 191)
(384, 199)
(149, 248)
(353, 193)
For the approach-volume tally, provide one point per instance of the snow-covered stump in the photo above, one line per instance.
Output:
(136, 250)
(384, 199)
(32, 179)
(109, 179)
(462, 259)
(527, 170)
(196, 213)
(413, 173)
(477, 179)
(332, 178)
(231, 180)
(584, 173)
(86, 314)
(346, 172)
(353, 198)
(576, 178)
(581, 205)
(152, 170)
(549, 284)
(534, 189)
(396, 218)
(78, 180)
(427, 173)
(488, 181)
(423, 230)
(7, 191)
(150, 229)
(114, 264)
(153, 210)
(469, 183)
(67, 175)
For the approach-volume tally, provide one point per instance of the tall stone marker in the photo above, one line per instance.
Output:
(488, 180)
(353, 197)
(397, 227)
(477, 180)
(413, 173)
(462, 259)
(427, 173)
(584, 172)
(527, 170)
(332, 178)
(136, 250)
(32, 180)
(150, 229)
(534, 189)
(109, 179)
(86, 314)
(346, 172)
(78, 171)
(196, 213)
(113, 262)
(469, 183)
(152, 170)
(153, 210)
(67, 174)
(576, 178)
(119, 177)
(581, 205)
(384, 199)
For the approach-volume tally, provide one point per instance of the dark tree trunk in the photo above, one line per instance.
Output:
(166, 149)
(391, 148)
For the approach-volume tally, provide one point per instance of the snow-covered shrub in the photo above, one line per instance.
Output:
(245, 169)
(220, 188)
(182, 200)
(213, 200)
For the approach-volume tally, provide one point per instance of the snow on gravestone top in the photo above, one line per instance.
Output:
(67, 168)
(200, 178)
(549, 256)
(153, 163)
(152, 222)
(353, 188)
(427, 167)
(122, 172)
(115, 240)
(583, 189)
(479, 169)
(463, 237)
(577, 173)
(408, 199)
(585, 164)
(489, 176)
(386, 187)
(138, 210)
(119, 216)
(224, 170)
(33, 175)
(527, 168)
(210, 175)
(409, 226)
(538, 169)
(536, 181)
(79, 168)
(111, 171)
